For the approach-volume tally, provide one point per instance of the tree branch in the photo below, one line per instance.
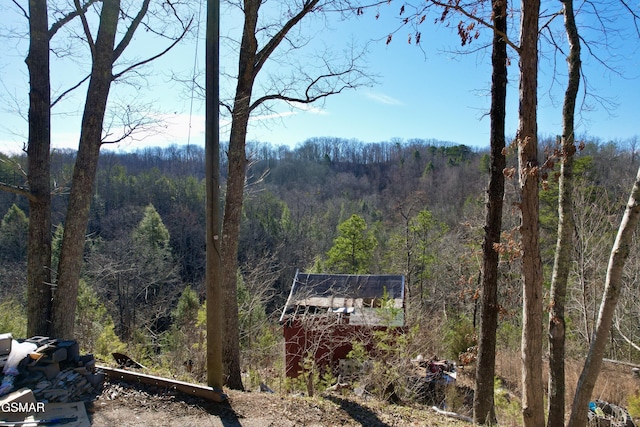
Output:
(635, 15)
(66, 92)
(306, 89)
(624, 337)
(473, 17)
(85, 25)
(24, 12)
(146, 61)
(130, 31)
(226, 106)
(18, 189)
(308, 98)
(267, 50)
(68, 17)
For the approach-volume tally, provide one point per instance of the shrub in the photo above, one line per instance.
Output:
(459, 336)
(108, 342)
(508, 410)
(13, 318)
(633, 403)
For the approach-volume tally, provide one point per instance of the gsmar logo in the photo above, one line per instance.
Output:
(22, 407)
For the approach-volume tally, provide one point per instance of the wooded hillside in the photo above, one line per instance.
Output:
(419, 205)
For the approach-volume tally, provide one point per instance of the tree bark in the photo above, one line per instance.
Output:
(250, 63)
(38, 158)
(562, 261)
(619, 255)
(532, 387)
(235, 194)
(483, 399)
(84, 172)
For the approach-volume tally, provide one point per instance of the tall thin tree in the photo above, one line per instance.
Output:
(38, 175)
(529, 169)
(69, 266)
(252, 58)
(562, 261)
(613, 283)
(483, 400)
(104, 54)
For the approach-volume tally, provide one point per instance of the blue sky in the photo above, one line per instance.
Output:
(433, 92)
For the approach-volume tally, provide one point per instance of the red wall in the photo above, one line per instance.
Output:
(329, 342)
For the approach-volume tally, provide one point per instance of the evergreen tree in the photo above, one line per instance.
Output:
(151, 235)
(13, 235)
(353, 248)
(425, 232)
(137, 275)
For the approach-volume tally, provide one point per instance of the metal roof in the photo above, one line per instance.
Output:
(333, 291)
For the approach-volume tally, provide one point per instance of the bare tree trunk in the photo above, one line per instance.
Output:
(562, 261)
(235, 194)
(39, 243)
(250, 63)
(230, 231)
(84, 172)
(483, 398)
(619, 255)
(532, 387)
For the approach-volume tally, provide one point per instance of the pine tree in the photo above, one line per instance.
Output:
(13, 235)
(353, 249)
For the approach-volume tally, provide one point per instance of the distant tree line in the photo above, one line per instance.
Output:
(407, 207)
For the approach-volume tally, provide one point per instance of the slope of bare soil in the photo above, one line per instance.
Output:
(127, 405)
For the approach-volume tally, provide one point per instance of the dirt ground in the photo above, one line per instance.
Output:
(122, 404)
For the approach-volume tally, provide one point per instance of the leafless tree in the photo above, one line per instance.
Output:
(262, 42)
(483, 399)
(562, 261)
(105, 54)
(55, 316)
(613, 283)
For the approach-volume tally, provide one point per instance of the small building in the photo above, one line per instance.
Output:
(326, 313)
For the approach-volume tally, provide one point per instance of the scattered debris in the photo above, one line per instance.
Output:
(24, 403)
(58, 373)
(125, 361)
(265, 388)
(605, 414)
(45, 370)
(17, 353)
(432, 377)
(339, 385)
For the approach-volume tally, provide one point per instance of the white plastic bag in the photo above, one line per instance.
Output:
(18, 352)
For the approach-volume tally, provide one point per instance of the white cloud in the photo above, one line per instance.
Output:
(383, 99)
(10, 147)
(170, 129)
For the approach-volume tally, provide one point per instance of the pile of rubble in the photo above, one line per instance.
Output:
(605, 414)
(54, 370)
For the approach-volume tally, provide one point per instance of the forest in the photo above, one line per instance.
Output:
(144, 258)
(183, 256)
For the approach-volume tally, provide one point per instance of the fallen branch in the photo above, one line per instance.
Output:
(452, 414)
(619, 362)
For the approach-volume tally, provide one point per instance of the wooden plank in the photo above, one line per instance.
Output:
(184, 387)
